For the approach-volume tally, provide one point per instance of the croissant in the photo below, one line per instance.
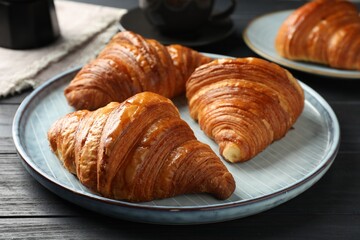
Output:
(130, 64)
(244, 104)
(322, 31)
(138, 150)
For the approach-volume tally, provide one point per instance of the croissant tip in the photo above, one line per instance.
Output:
(231, 152)
(224, 186)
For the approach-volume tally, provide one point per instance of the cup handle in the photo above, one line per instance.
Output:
(226, 13)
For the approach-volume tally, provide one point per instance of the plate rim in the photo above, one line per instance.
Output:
(28, 162)
(349, 74)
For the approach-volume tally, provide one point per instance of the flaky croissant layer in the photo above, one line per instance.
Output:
(244, 104)
(138, 150)
(322, 31)
(131, 64)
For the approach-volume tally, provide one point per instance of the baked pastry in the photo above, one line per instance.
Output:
(138, 150)
(130, 64)
(244, 104)
(322, 31)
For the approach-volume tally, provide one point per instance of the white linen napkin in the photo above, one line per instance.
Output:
(85, 29)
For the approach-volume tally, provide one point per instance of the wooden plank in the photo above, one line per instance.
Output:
(263, 226)
(22, 195)
(332, 90)
(16, 98)
(7, 145)
(334, 193)
(7, 112)
(348, 116)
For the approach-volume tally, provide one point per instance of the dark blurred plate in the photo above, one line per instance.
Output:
(134, 20)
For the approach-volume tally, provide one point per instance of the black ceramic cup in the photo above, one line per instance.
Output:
(181, 16)
(27, 24)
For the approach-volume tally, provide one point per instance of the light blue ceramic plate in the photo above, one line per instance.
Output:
(285, 169)
(260, 36)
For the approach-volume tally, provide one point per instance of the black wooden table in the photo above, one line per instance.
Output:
(328, 210)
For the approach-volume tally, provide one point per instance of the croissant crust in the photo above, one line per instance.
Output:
(138, 150)
(131, 64)
(322, 31)
(244, 104)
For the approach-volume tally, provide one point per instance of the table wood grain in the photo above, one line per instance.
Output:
(328, 210)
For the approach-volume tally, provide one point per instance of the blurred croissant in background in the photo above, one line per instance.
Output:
(130, 64)
(244, 104)
(322, 31)
(138, 150)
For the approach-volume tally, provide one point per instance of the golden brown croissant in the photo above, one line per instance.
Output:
(244, 104)
(138, 150)
(130, 64)
(322, 31)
